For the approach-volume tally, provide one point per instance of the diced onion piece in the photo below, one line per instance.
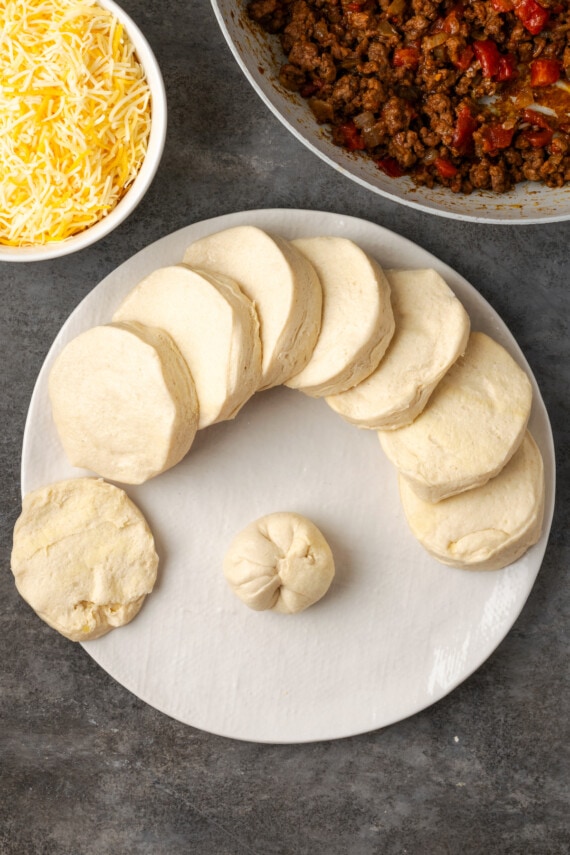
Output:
(364, 120)
(431, 42)
(385, 28)
(396, 7)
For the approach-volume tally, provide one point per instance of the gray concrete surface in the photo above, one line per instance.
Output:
(85, 767)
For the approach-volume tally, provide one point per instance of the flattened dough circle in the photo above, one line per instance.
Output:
(83, 557)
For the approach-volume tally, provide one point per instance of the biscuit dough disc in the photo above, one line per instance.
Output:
(280, 562)
(488, 527)
(83, 557)
(432, 329)
(215, 327)
(357, 319)
(123, 402)
(472, 425)
(282, 284)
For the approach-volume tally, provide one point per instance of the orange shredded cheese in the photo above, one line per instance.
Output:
(75, 112)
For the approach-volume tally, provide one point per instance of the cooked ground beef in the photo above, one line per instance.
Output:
(472, 94)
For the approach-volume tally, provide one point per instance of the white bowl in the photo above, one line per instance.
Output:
(145, 175)
(259, 56)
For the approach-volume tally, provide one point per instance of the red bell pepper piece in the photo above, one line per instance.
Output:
(406, 57)
(507, 68)
(463, 60)
(544, 72)
(488, 55)
(541, 132)
(532, 15)
(445, 167)
(310, 88)
(538, 138)
(496, 137)
(390, 167)
(538, 120)
(465, 126)
(452, 21)
(502, 5)
(351, 137)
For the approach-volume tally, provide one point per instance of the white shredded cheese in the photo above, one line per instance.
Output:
(75, 112)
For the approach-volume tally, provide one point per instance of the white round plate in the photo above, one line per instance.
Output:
(259, 57)
(396, 631)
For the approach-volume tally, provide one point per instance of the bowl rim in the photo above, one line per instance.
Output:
(146, 173)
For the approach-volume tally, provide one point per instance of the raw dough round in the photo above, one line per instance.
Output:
(473, 423)
(83, 557)
(489, 527)
(214, 325)
(432, 329)
(281, 283)
(357, 323)
(123, 402)
(280, 562)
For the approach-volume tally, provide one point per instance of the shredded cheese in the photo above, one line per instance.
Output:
(75, 112)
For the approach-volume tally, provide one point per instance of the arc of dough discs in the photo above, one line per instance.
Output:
(215, 327)
(472, 425)
(281, 562)
(83, 557)
(432, 330)
(488, 527)
(282, 284)
(357, 318)
(123, 402)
